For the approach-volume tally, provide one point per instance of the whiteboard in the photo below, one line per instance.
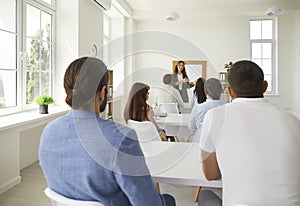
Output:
(194, 71)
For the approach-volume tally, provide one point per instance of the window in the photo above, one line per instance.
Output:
(26, 66)
(263, 49)
(113, 31)
(8, 60)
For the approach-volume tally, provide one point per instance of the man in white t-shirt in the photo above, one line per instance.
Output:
(166, 93)
(251, 144)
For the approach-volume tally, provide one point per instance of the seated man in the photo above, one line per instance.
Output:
(212, 89)
(251, 144)
(85, 157)
(166, 93)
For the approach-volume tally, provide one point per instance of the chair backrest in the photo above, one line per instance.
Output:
(60, 200)
(146, 131)
(168, 108)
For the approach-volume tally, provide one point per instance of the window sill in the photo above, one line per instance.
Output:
(29, 117)
(271, 95)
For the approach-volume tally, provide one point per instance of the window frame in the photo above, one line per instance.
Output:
(20, 24)
(111, 15)
(40, 5)
(274, 61)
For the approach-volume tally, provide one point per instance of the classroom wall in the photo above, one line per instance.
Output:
(222, 39)
(79, 25)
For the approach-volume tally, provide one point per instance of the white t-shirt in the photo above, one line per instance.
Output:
(164, 94)
(258, 152)
(180, 77)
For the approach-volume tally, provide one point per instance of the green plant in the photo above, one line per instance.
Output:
(228, 65)
(44, 100)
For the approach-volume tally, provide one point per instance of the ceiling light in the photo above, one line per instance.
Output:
(173, 16)
(273, 11)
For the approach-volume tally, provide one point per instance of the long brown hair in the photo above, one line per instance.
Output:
(136, 107)
(184, 75)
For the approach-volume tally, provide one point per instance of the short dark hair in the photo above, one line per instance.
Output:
(167, 79)
(83, 78)
(246, 79)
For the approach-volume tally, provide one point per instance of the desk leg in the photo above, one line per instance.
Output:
(197, 194)
(157, 186)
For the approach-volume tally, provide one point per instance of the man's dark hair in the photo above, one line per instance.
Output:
(246, 79)
(83, 78)
(167, 79)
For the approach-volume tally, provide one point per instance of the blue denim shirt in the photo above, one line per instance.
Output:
(198, 113)
(85, 157)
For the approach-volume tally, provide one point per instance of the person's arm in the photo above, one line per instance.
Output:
(174, 81)
(210, 165)
(133, 176)
(162, 132)
(192, 124)
(207, 144)
(189, 84)
(150, 115)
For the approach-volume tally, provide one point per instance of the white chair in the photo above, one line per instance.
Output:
(60, 200)
(146, 131)
(168, 108)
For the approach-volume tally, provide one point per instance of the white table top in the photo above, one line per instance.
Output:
(176, 163)
(175, 119)
(175, 125)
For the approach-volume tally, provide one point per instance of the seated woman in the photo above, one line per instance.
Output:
(198, 94)
(137, 108)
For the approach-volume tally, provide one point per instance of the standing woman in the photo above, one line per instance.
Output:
(181, 81)
(137, 108)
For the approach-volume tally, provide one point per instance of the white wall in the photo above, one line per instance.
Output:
(29, 145)
(222, 39)
(66, 43)
(79, 25)
(19, 144)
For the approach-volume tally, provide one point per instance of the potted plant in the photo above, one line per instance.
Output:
(43, 102)
(228, 65)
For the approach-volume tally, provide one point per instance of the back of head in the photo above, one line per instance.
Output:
(83, 79)
(246, 79)
(136, 107)
(214, 88)
(199, 90)
(167, 79)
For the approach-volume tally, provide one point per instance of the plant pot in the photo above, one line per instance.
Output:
(43, 109)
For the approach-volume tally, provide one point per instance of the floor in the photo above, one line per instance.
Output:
(30, 191)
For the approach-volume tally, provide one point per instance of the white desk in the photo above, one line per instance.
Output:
(175, 124)
(176, 163)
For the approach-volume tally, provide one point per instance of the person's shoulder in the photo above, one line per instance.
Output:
(217, 109)
(58, 122)
(117, 131)
(115, 126)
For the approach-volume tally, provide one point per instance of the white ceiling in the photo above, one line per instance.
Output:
(158, 9)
